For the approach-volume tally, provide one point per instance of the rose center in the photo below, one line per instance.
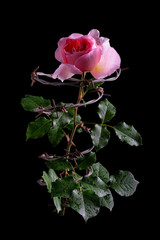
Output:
(77, 45)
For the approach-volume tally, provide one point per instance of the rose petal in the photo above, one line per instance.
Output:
(108, 64)
(58, 55)
(73, 69)
(84, 45)
(94, 33)
(99, 40)
(88, 61)
(104, 42)
(71, 58)
(65, 71)
(62, 42)
(75, 35)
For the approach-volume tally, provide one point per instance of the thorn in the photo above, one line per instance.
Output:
(66, 173)
(33, 75)
(68, 139)
(125, 68)
(107, 95)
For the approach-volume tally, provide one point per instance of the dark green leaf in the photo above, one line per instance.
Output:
(63, 187)
(55, 135)
(101, 172)
(96, 185)
(86, 203)
(106, 110)
(94, 193)
(100, 136)
(59, 165)
(79, 130)
(93, 86)
(71, 124)
(97, 181)
(38, 128)
(75, 175)
(128, 134)
(49, 178)
(84, 162)
(123, 183)
(30, 102)
(64, 118)
(107, 201)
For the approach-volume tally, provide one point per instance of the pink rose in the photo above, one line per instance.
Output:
(86, 53)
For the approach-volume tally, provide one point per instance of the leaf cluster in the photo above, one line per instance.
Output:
(55, 126)
(51, 123)
(90, 192)
(65, 179)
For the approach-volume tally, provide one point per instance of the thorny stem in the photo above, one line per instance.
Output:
(34, 78)
(75, 125)
(80, 96)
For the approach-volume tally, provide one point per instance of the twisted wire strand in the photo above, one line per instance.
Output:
(47, 157)
(74, 82)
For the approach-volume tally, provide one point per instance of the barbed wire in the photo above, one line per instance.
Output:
(73, 82)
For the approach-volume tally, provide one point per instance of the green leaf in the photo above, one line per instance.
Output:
(53, 176)
(93, 86)
(38, 128)
(106, 110)
(128, 134)
(107, 201)
(63, 187)
(86, 203)
(96, 185)
(94, 193)
(49, 178)
(123, 183)
(30, 102)
(75, 175)
(59, 165)
(100, 136)
(97, 180)
(64, 118)
(55, 135)
(71, 124)
(84, 162)
(57, 203)
(101, 172)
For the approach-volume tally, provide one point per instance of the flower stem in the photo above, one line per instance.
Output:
(80, 96)
(102, 124)
(75, 125)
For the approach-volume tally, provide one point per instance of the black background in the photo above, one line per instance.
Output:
(35, 33)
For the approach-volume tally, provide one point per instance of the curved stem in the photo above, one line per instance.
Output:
(80, 96)
(102, 124)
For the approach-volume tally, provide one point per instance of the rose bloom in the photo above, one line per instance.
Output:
(85, 53)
